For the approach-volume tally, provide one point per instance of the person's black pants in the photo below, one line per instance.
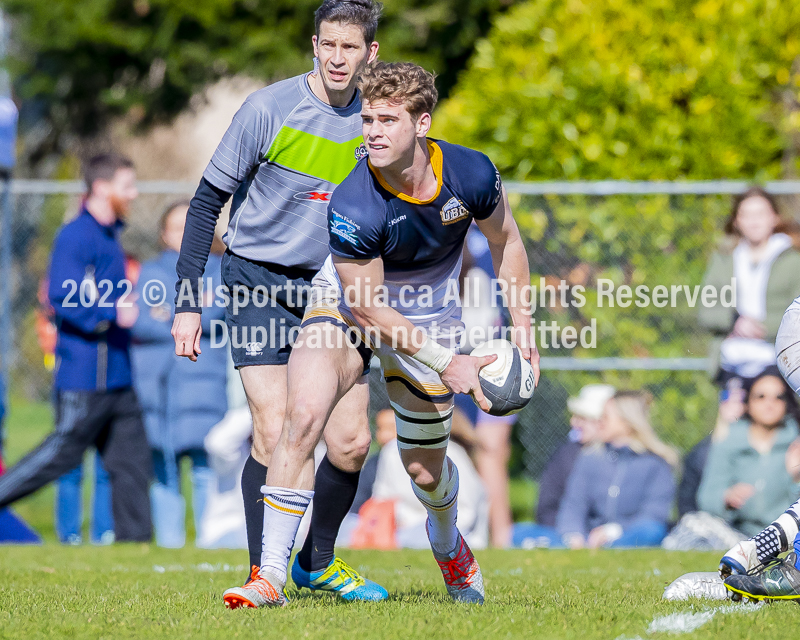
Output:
(112, 422)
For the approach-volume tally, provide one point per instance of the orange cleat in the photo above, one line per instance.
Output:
(257, 592)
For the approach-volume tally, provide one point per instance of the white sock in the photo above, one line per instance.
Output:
(283, 510)
(442, 507)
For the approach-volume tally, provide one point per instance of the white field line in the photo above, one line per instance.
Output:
(677, 623)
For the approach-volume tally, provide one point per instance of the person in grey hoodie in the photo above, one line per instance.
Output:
(621, 494)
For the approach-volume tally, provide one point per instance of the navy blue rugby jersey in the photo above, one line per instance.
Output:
(420, 242)
(367, 218)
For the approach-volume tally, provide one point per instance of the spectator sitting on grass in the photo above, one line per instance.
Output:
(752, 474)
(621, 494)
(586, 409)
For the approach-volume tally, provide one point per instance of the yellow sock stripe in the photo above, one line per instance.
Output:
(278, 507)
(430, 389)
(327, 312)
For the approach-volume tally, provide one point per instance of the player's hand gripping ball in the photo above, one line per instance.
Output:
(507, 382)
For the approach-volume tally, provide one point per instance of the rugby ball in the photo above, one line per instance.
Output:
(507, 382)
(787, 346)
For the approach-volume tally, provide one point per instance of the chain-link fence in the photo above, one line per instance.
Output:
(586, 243)
(37, 210)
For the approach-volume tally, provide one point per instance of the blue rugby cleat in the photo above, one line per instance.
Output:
(341, 579)
(780, 580)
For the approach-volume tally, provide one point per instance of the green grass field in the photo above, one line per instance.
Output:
(140, 591)
(143, 592)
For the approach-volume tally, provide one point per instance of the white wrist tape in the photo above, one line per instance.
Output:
(434, 355)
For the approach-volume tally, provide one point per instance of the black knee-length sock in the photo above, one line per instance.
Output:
(334, 492)
(254, 475)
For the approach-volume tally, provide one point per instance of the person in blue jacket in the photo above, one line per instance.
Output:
(181, 399)
(621, 495)
(95, 401)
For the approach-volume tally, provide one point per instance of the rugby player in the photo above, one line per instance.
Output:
(287, 148)
(752, 568)
(397, 226)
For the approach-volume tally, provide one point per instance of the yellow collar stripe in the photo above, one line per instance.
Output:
(436, 163)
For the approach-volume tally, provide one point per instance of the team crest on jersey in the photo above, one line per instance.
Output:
(453, 211)
(343, 228)
(254, 349)
(314, 196)
(361, 152)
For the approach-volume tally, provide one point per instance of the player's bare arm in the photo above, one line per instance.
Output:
(363, 279)
(511, 266)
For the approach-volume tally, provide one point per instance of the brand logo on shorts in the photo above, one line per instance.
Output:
(453, 211)
(314, 196)
(344, 229)
(254, 349)
(361, 152)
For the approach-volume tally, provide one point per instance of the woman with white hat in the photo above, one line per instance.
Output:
(586, 409)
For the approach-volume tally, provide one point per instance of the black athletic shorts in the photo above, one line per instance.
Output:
(265, 309)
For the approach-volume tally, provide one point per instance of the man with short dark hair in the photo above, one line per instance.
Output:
(396, 230)
(287, 148)
(95, 402)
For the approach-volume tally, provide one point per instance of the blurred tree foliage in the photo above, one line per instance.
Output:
(656, 89)
(648, 90)
(89, 60)
(623, 241)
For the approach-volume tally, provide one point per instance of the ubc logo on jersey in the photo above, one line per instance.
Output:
(314, 196)
(453, 211)
(343, 228)
(361, 152)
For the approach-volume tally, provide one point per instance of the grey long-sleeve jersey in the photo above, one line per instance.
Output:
(283, 154)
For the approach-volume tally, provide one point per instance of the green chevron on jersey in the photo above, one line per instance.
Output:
(312, 155)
